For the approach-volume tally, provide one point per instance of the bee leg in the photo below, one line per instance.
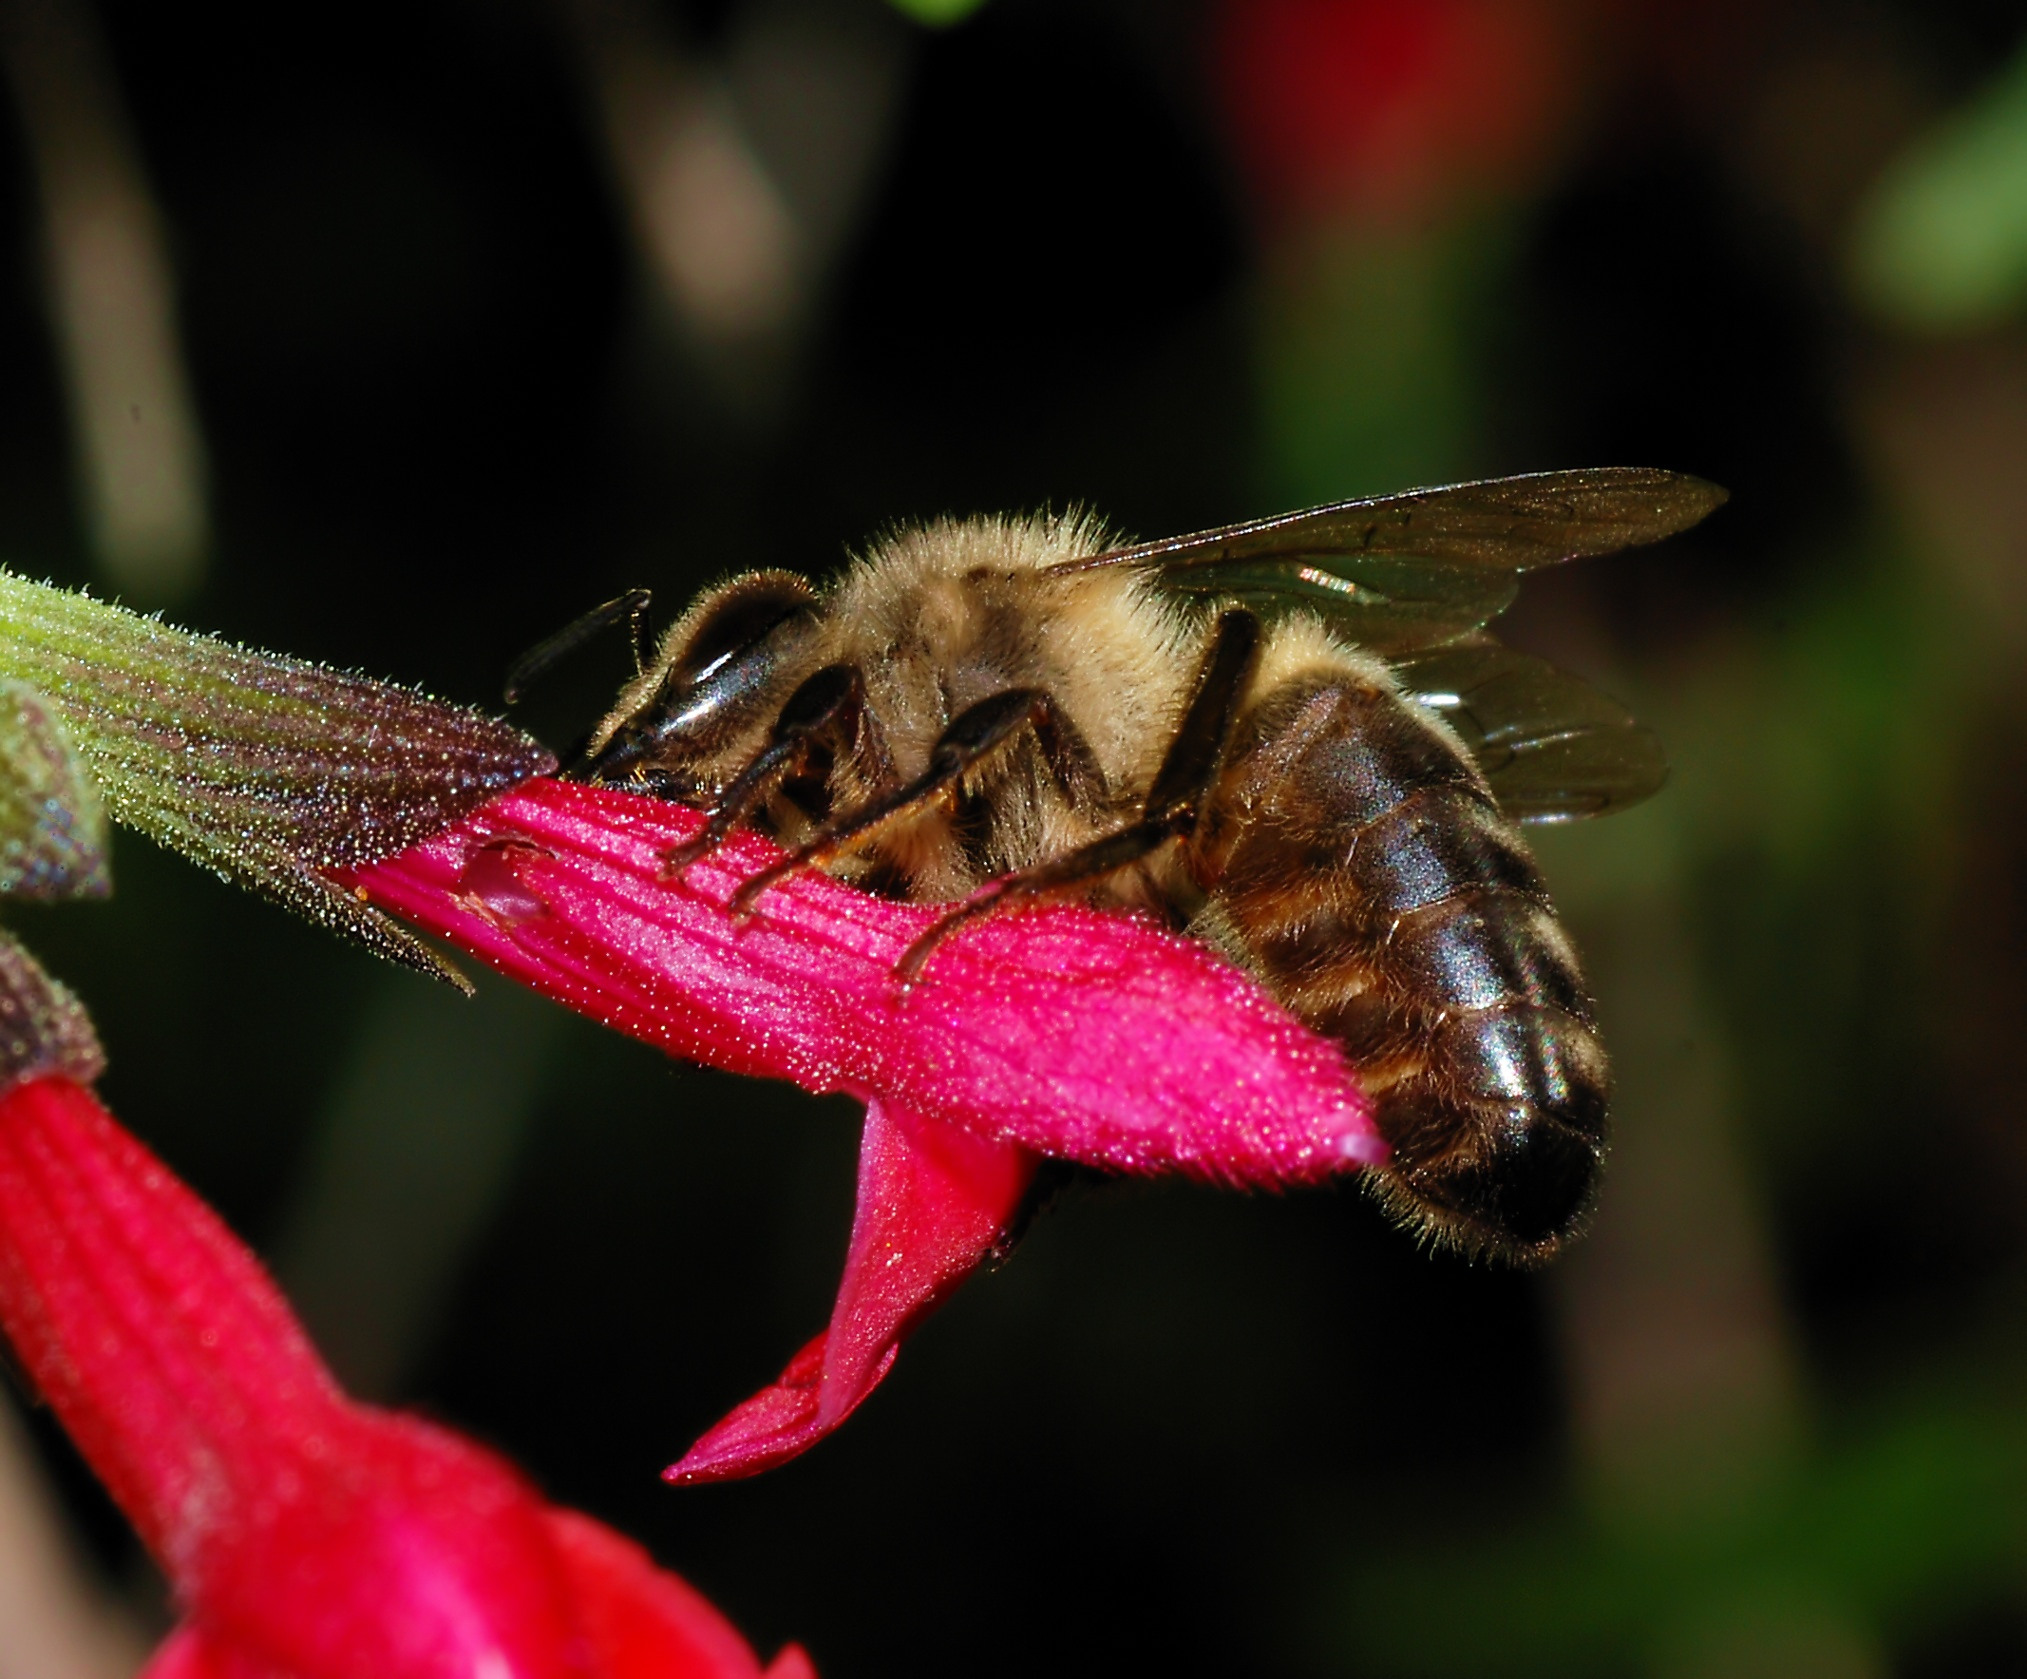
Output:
(1085, 866)
(1188, 772)
(971, 737)
(546, 655)
(825, 708)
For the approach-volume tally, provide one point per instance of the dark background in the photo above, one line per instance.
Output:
(1184, 264)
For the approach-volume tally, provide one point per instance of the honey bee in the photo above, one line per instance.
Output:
(1292, 738)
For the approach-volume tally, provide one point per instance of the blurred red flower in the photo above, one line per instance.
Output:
(1389, 109)
(307, 1537)
(1057, 1032)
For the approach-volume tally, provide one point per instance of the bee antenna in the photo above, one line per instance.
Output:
(545, 655)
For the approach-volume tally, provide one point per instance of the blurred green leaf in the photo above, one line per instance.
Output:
(1370, 376)
(1941, 243)
(937, 13)
(1893, 1532)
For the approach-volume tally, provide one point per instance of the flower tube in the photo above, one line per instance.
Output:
(306, 1536)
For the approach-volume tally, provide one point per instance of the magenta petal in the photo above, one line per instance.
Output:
(643, 1623)
(154, 1335)
(307, 1537)
(1087, 1036)
(932, 1203)
(332, 1539)
(188, 1654)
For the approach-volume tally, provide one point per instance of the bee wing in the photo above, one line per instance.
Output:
(1552, 747)
(1426, 566)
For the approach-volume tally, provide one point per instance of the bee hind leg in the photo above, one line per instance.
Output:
(1188, 772)
(1085, 866)
(972, 737)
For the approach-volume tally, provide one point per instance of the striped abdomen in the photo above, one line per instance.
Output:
(1358, 858)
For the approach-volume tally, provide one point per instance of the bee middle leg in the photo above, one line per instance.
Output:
(1188, 772)
(972, 737)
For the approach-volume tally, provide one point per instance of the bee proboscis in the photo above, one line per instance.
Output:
(1294, 738)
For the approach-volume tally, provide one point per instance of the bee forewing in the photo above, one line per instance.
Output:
(1391, 606)
(1412, 570)
(1504, 524)
(1552, 747)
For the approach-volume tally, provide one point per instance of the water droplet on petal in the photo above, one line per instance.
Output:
(491, 883)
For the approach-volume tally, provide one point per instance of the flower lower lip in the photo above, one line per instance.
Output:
(1081, 1035)
(1045, 1032)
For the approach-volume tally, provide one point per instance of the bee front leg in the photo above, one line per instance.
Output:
(972, 737)
(824, 711)
(1188, 772)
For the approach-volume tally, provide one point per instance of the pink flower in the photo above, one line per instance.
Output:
(307, 1537)
(1060, 1032)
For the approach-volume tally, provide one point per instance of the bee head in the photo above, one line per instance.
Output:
(719, 671)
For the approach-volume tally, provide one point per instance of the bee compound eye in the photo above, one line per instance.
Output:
(727, 662)
(743, 617)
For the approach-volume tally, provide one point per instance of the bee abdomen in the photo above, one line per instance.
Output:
(1423, 940)
(1471, 1030)
(1497, 1137)
(1489, 1082)
(1497, 1118)
(1484, 949)
(1437, 843)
